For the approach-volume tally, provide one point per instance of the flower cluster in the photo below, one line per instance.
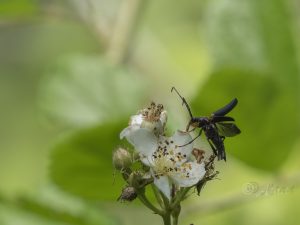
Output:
(170, 164)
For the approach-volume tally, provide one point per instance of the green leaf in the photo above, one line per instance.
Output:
(47, 213)
(52, 204)
(82, 163)
(253, 34)
(267, 114)
(18, 7)
(29, 210)
(85, 90)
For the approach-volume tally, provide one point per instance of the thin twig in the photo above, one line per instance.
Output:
(124, 30)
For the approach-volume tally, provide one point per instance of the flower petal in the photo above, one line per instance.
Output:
(163, 118)
(136, 120)
(163, 184)
(127, 133)
(148, 161)
(170, 148)
(189, 174)
(181, 138)
(144, 141)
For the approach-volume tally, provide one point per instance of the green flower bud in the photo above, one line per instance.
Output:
(122, 159)
(135, 179)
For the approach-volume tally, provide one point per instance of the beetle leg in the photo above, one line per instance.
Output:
(212, 146)
(188, 127)
(192, 139)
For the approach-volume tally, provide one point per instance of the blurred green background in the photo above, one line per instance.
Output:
(73, 71)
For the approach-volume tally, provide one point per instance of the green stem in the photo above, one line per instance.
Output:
(175, 214)
(180, 196)
(166, 201)
(167, 218)
(157, 195)
(167, 210)
(148, 204)
(175, 220)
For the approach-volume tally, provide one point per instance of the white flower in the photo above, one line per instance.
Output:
(151, 119)
(169, 164)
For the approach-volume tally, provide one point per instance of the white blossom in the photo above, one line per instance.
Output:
(153, 119)
(169, 163)
(169, 158)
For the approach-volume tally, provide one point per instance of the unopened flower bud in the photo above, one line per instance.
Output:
(135, 179)
(128, 194)
(122, 159)
(138, 180)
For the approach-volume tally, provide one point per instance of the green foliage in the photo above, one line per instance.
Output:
(85, 90)
(34, 210)
(276, 31)
(254, 35)
(45, 212)
(249, 45)
(82, 163)
(18, 7)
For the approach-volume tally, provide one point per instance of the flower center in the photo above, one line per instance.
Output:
(166, 160)
(152, 113)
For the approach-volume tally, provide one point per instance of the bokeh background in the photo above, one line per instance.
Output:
(73, 71)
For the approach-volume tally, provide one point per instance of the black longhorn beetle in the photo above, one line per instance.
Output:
(216, 127)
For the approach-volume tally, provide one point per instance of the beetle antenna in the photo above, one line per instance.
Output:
(184, 102)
